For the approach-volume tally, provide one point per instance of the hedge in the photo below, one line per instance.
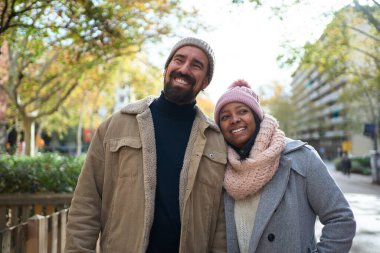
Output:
(47, 172)
(359, 164)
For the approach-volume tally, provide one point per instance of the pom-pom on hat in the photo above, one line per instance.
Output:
(190, 41)
(239, 91)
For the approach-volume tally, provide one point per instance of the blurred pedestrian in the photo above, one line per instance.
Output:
(276, 186)
(346, 164)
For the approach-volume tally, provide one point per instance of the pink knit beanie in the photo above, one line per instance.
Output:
(239, 91)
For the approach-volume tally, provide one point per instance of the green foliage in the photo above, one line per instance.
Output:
(48, 172)
(53, 45)
(359, 164)
(280, 105)
(337, 163)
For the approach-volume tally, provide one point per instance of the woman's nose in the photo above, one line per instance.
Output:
(235, 118)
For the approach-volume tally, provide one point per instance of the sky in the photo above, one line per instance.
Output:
(246, 42)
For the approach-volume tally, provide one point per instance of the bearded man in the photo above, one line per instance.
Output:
(153, 176)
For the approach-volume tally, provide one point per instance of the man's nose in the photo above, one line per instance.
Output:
(185, 68)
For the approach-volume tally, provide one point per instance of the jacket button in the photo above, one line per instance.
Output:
(271, 237)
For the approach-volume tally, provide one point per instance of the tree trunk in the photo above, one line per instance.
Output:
(80, 126)
(28, 135)
(79, 136)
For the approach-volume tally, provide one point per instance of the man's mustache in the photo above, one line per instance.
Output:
(188, 78)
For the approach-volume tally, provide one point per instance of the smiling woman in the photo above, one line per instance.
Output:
(276, 179)
(237, 123)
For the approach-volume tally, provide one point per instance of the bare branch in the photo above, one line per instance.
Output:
(366, 12)
(47, 64)
(374, 57)
(364, 33)
(59, 102)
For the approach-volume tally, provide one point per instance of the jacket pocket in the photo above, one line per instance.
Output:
(126, 157)
(132, 142)
(211, 167)
(215, 156)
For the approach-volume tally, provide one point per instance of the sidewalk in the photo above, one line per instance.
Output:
(355, 183)
(364, 199)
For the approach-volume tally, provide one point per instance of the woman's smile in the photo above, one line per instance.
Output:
(237, 123)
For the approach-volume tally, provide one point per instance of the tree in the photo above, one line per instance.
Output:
(205, 103)
(369, 12)
(279, 104)
(293, 54)
(53, 43)
(348, 50)
(94, 98)
(93, 20)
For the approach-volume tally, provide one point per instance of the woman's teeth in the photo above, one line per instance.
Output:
(238, 130)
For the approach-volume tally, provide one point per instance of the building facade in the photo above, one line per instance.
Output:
(323, 118)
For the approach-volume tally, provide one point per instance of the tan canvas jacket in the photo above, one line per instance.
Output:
(116, 188)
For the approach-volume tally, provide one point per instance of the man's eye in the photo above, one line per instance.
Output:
(177, 60)
(197, 66)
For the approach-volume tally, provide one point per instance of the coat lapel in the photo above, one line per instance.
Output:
(269, 200)
(232, 240)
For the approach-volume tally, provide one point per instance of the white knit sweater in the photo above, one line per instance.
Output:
(245, 213)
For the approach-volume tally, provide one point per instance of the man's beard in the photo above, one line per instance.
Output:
(179, 95)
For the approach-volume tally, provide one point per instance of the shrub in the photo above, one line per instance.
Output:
(359, 164)
(337, 163)
(48, 172)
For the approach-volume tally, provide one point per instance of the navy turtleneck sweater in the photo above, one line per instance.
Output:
(172, 127)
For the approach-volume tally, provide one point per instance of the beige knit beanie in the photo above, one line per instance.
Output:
(190, 41)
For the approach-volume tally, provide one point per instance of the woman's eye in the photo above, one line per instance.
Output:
(223, 118)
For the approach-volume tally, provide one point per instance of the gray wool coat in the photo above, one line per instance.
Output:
(301, 190)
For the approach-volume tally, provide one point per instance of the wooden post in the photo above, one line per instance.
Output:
(14, 216)
(3, 217)
(19, 239)
(37, 235)
(6, 241)
(53, 233)
(25, 213)
(62, 231)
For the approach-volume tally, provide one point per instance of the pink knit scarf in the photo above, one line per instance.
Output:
(246, 177)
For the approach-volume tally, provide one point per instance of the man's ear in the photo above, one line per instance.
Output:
(205, 83)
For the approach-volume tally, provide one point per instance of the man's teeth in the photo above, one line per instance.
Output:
(238, 130)
(181, 80)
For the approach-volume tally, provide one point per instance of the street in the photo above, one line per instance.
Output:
(364, 198)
